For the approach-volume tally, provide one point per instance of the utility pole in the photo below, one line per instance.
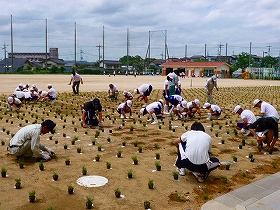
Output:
(5, 53)
(81, 55)
(268, 52)
(220, 49)
(99, 46)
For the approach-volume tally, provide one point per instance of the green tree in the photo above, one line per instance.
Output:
(269, 62)
(242, 61)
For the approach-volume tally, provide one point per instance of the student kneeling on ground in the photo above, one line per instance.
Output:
(26, 142)
(265, 130)
(89, 113)
(194, 148)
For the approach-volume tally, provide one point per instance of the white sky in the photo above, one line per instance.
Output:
(186, 22)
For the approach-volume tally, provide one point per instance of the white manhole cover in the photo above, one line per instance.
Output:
(92, 181)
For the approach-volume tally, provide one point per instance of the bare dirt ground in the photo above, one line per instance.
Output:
(186, 193)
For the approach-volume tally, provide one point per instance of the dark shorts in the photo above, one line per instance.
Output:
(148, 91)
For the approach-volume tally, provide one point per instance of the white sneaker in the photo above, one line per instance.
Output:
(166, 113)
(149, 120)
(122, 116)
(155, 122)
(208, 118)
(181, 171)
(247, 132)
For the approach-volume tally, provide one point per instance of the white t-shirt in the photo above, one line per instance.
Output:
(143, 88)
(198, 144)
(166, 83)
(52, 92)
(114, 89)
(19, 94)
(76, 77)
(121, 106)
(154, 105)
(215, 108)
(248, 115)
(269, 110)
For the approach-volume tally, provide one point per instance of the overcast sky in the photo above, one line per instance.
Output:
(187, 26)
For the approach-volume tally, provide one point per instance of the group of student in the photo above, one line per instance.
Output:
(194, 146)
(30, 93)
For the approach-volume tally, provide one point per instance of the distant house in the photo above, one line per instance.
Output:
(110, 65)
(197, 57)
(198, 69)
(54, 62)
(9, 65)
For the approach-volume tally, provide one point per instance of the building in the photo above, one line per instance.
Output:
(110, 65)
(35, 56)
(198, 69)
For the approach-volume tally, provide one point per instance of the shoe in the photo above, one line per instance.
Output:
(166, 113)
(208, 118)
(199, 176)
(122, 116)
(149, 120)
(155, 122)
(181, 171)
(247, 132)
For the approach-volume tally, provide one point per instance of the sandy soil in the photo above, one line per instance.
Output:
(186, 193)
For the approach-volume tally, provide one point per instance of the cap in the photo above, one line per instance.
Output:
(142, 111)
(184, 104)
(206, 105)
(20, 85)
(10, 100)
(39, 91)
(136, 91)
(34, 85)
(256, 102)
(197, 102)
(129, 103)
(49, 85)
(125, 92)
(214, 77)
(161, 101)
(236, 109)
(96, 101)
(170, 75)
(50, 125)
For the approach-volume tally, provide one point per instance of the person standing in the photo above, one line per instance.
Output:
(211, 83)
(174, 82)
(26, 142)
(247, 117)
(89, 113)
(77, 80)
(144, 91)
(165, 93)
(194, 150)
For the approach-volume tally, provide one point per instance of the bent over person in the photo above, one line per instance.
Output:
(89, 113)
(26, 142)
(194, 149)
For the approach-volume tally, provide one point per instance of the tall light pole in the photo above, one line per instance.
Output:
(5, 53)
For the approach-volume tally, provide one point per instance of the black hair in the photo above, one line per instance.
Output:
(197, 126)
